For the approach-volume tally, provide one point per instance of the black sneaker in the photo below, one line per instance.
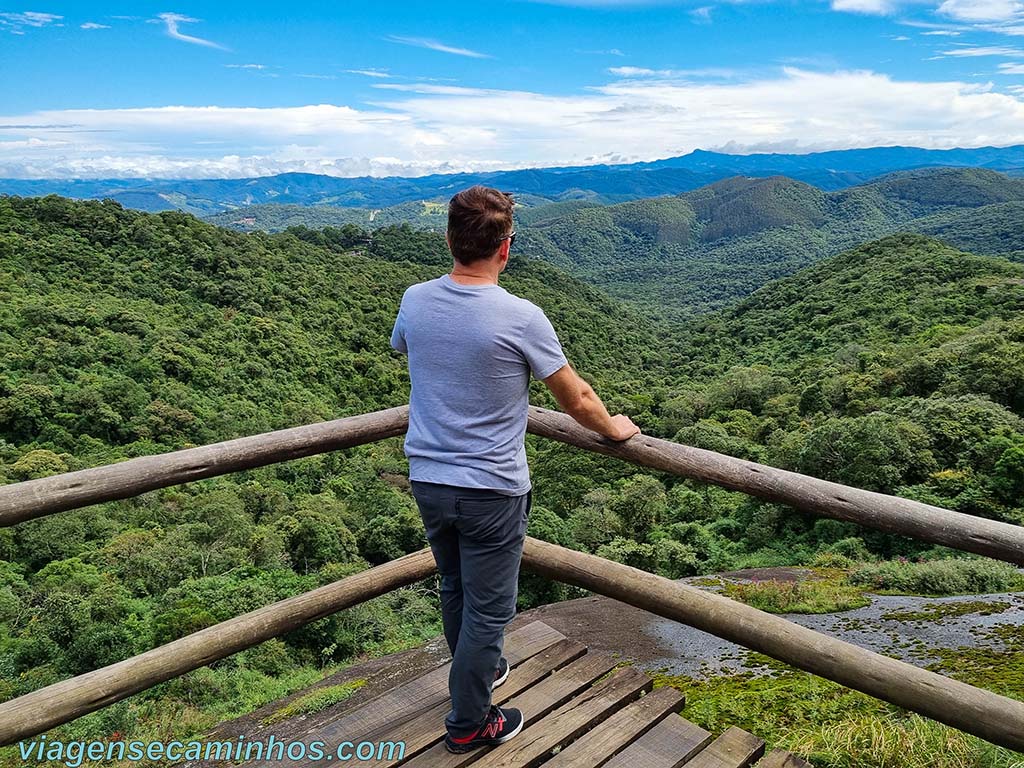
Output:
(501, 673)
(499, 726)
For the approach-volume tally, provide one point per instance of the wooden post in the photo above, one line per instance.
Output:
(36, 498)
(891, 514)
(995, 718)
(35, 712)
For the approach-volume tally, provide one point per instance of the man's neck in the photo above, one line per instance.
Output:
(473, 278)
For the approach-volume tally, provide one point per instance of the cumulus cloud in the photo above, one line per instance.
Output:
(422, 128)
(982, 10)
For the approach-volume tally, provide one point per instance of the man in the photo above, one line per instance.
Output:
(472, 347)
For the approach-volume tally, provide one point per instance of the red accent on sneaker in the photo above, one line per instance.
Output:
(492, 729)
(465, 739)
(488, 730)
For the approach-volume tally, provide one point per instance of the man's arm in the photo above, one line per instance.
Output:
(577, 398)
(398, 333)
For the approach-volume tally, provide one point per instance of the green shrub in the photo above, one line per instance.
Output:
(315, 701)
(939, 577)
(810, 596)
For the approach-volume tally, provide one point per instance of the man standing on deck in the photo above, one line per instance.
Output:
(472, 346)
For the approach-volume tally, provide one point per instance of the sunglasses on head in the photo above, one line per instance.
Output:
(511, 237)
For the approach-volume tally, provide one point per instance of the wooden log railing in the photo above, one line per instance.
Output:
(996, 718)
(36, 498)
(35, 712)
(985, 714)
(71, 490)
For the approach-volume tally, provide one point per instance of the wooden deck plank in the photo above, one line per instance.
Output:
(405, 701)
(779, 758)
(733, 749)
(598, 745)
(537, 701)
(534, 744)
(427, 728)
(669, 744)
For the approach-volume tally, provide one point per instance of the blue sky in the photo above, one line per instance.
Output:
(232, 89)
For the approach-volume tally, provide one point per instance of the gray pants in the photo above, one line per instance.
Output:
(476, 536)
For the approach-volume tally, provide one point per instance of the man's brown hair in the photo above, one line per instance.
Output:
(478, 219)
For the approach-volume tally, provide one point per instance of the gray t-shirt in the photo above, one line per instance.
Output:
(471, 350)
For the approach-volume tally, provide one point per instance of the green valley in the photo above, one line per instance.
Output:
(896, 365)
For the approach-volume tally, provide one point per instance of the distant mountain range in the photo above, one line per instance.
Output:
(599, 183)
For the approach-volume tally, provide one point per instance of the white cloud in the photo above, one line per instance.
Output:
(982, 10)
(94, 25)
(943, 33)
(870, 7)
(246, 66)
(369, 72)
(990, 50)
(15, 23)
(434, 45)
(172, 20)
(422, 128)
(1011, 69)
(900, 38)
(639, 72)
(318, 77)
(702, 15)
(672, 74)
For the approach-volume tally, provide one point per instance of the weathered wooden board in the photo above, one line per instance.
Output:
(596, 746)
(428, 728)
(404, 702)
(565, 724)
(733, 749)
(669, 744)
(536, 702)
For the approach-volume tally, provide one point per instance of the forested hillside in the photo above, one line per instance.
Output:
(272, 217)
(896, 366)
(694, 252)
(124, 334)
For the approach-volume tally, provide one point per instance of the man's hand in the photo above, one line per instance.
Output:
(578, 399)
(624, 428)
